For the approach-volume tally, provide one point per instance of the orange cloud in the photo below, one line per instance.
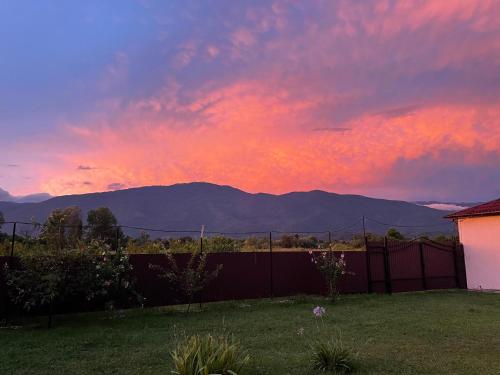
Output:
(259, 139)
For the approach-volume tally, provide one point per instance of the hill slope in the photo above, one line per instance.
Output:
(226, 209)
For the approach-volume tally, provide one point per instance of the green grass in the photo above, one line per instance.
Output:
(453, 332)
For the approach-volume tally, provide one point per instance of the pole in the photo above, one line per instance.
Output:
(13, 240)
(329, 239)
(455, 265)
(6, 296)
(364, 228)
(422, 264)
(387, 268)
(271, 289)
(60, 237)
(201, 238)
(368, 267)
(117, 234)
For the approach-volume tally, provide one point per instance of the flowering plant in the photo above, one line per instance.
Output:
(319, 311)
(332, 268)
(112, 282)
(96, 275)
(190, 280)
(329, 354)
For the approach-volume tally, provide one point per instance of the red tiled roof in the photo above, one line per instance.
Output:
(486, 209)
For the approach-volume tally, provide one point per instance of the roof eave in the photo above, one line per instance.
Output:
(458, 216)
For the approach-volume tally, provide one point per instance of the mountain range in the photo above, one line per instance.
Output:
(227, 209)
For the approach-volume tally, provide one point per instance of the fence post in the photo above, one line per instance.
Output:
(13, 240)
(422, 264)
(117, 238)
(60, 237)
(271, 287)
(368, 267)
(387, 268)
(455, 265)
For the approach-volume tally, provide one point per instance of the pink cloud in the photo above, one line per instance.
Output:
(413, 82)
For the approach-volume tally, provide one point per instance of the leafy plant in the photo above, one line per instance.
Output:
(209, 355)
(332, 268)
(111, 281)
(40, 282)
(37, 283)
(190, 280)
(332, 356)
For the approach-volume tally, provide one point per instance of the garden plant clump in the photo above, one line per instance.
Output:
(209, 355)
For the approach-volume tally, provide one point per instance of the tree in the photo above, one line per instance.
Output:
(63, 228)
(394, 234)
(102, 225)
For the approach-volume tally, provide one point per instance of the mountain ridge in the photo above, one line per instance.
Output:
(224, 208)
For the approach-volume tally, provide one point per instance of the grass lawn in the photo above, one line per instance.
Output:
(449, 332)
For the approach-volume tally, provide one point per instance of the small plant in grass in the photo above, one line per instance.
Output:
(331, 356)
(209, 355)
(328, 355)
(190, 280)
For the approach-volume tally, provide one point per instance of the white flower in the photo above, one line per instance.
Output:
(319, 311)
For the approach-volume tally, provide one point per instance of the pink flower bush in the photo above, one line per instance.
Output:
(332, 268)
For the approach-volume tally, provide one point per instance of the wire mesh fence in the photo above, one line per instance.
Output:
(31, 237)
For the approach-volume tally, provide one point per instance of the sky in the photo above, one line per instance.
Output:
(393, 99)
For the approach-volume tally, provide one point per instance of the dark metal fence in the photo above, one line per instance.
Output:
(385, 267)
(403, 266)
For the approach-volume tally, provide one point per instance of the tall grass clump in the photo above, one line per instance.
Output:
(333, 357)
(209, 355)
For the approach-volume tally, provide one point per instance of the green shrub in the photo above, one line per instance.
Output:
(190, 280)
(220, 244)
(332, 357)
(96, 275)
(209, 355)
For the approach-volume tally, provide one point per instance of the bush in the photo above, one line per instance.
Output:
(40, 283)
(332, 269)
(333, 357)
(220, 244)
(209, 355)
(190, 280)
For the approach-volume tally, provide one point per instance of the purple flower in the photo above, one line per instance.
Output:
(319, 311)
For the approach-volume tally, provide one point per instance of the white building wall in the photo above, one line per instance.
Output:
(481, 239)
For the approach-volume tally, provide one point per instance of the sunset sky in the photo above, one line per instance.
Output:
(388, 99)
